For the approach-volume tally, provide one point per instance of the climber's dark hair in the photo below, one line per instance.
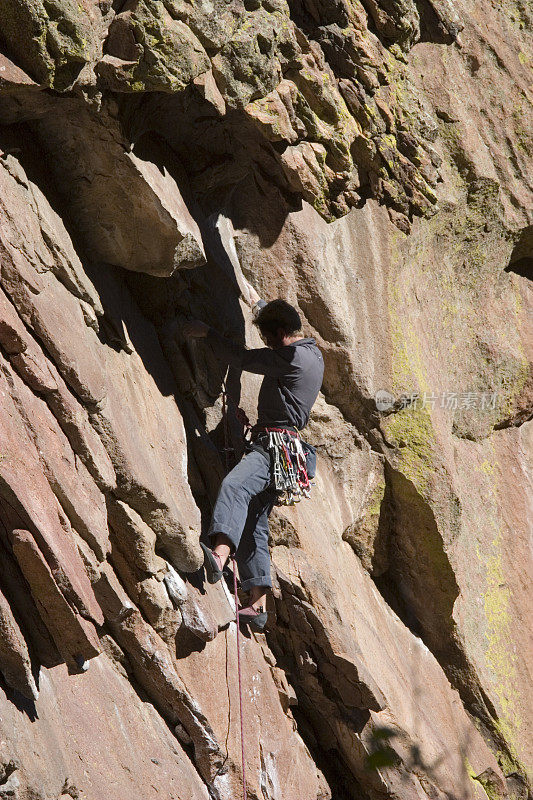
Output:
(278, 314)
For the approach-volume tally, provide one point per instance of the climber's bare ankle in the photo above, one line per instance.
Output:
(258, 598)
(222, 548)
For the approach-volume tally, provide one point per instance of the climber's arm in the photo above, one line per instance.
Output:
(261, 360)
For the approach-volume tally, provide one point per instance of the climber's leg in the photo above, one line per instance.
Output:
(247, 479)
(253, 559)
(253, 556)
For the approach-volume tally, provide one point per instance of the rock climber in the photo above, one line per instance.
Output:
(293, 368)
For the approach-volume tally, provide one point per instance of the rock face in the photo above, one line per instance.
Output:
(370, 161)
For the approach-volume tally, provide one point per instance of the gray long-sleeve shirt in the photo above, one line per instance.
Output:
(293, 377)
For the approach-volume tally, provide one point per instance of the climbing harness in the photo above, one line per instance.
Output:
(244, 793)
(285, 447)
(289, 464)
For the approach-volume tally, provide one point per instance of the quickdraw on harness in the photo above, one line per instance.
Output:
(289, 465)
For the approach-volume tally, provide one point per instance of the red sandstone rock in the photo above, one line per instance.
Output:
(397, 659)
(73, 635)
(28, 493)
(15, 662)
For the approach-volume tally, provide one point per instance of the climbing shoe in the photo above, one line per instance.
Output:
(256, 620)
(212, 566)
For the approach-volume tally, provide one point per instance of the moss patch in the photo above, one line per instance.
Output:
(498, 644)
(412, 431)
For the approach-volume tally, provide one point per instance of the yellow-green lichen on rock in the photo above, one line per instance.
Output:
(411, 431)
(408, 370)
(362, 534)
(248, 66)
(51, 39)
(161, 54)
(497, 617)
(498, 643)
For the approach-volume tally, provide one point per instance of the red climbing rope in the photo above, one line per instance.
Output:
(227, 449)
(244, 793)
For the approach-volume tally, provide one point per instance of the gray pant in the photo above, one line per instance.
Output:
(244, 501)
